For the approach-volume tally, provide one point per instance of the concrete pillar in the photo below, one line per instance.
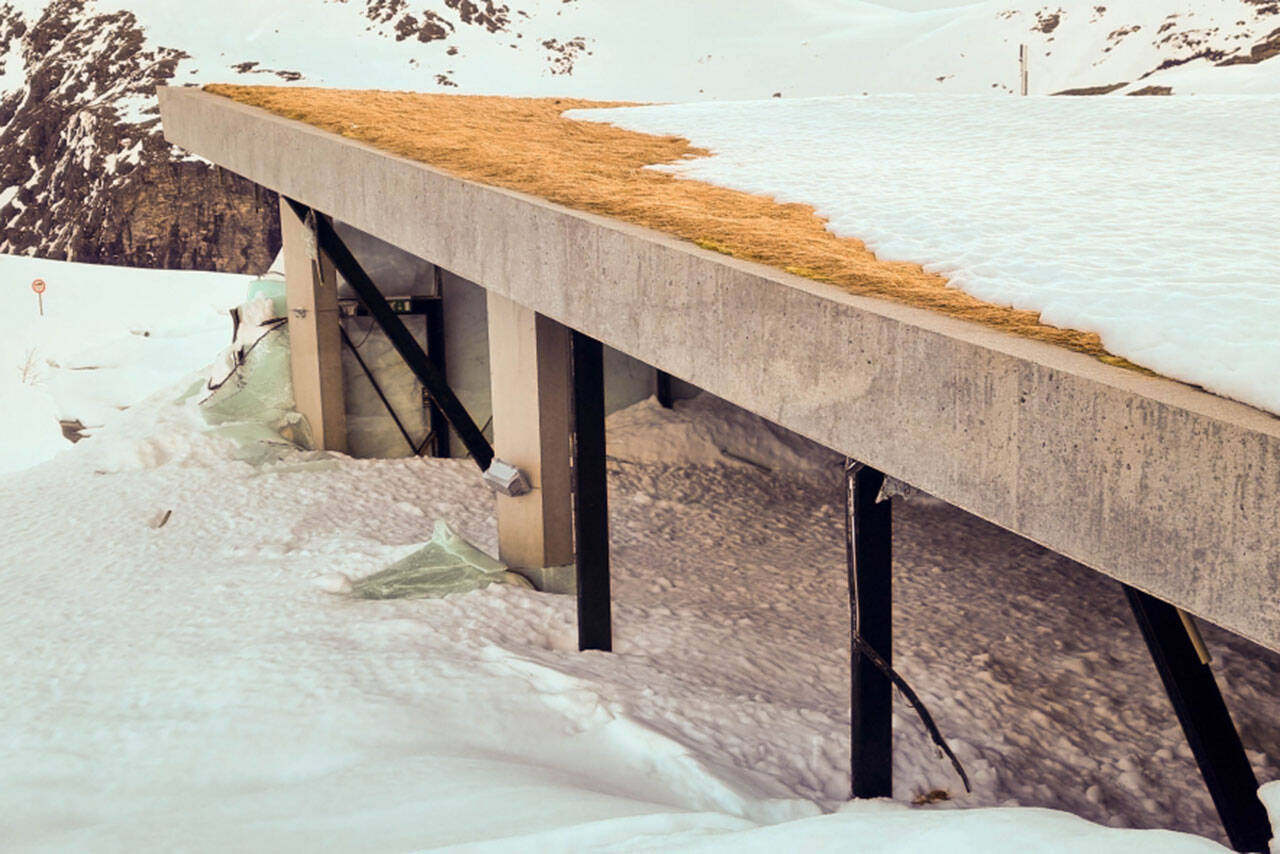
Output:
(314, 337)
(529, 359)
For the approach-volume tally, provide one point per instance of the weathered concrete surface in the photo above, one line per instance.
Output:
(370, 430)
(315, 337)
(532, 385)
(1150, 481)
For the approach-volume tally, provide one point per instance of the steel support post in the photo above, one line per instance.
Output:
(663, 391)
(1188, 680)
(438, 423)
(868, 551)
(591, 499)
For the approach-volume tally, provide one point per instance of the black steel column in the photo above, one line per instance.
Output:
(438, 423)
(664, 389)
(869, 552)
(1205, 720)
(591, 497)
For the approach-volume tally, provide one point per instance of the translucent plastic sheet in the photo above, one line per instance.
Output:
(251, 397)
(447, 564)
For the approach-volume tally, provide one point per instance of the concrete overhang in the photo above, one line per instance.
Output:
(1155, 483)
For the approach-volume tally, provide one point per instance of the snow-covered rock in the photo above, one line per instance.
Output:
(85, 173)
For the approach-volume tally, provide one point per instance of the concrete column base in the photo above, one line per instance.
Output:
(529, 376)
(562, 580)
(315, 340)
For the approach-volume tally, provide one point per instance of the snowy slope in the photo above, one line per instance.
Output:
(1120, 45)
(86, 175)
(187, 687)
(1139, 219)
(109, 337)
(679, 51)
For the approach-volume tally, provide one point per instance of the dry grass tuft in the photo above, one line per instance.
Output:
(525, 144)
(933, 796)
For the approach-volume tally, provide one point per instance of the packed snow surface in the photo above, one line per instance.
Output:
(108, 338)
(174, 680)
(1146, 220)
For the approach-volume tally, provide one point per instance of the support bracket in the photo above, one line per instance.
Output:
(405, 344)
(1210, 732)
(869, 553)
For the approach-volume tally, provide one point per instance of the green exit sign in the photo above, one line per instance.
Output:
(400, 305)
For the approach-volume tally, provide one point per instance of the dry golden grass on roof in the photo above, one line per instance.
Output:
(525, 144)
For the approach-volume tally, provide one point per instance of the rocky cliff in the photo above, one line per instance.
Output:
(86, 175)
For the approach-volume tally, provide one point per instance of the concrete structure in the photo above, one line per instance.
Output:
(370, 431)
(1155, 483)
(312, 292)
(529, 357)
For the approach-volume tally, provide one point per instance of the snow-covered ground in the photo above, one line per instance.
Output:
(1142, 219)
(186, 686)
(109, 337)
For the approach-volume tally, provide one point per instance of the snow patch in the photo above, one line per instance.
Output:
(108, 339)
(1140, 219)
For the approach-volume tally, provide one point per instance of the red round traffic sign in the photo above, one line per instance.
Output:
(38, 286)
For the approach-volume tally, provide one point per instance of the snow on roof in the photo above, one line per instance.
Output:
(1127, 226)
(527, 145)
(1146, 220)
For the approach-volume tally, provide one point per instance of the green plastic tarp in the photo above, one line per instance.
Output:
(447, 564)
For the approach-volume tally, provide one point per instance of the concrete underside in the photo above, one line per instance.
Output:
(370, 430)
(1157, 484)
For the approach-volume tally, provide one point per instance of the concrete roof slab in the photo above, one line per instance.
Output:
(1153, 482)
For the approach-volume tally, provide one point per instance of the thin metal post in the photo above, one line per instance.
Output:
(591, 498)
(1210, 732)
(868, 551)
(435, 352)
